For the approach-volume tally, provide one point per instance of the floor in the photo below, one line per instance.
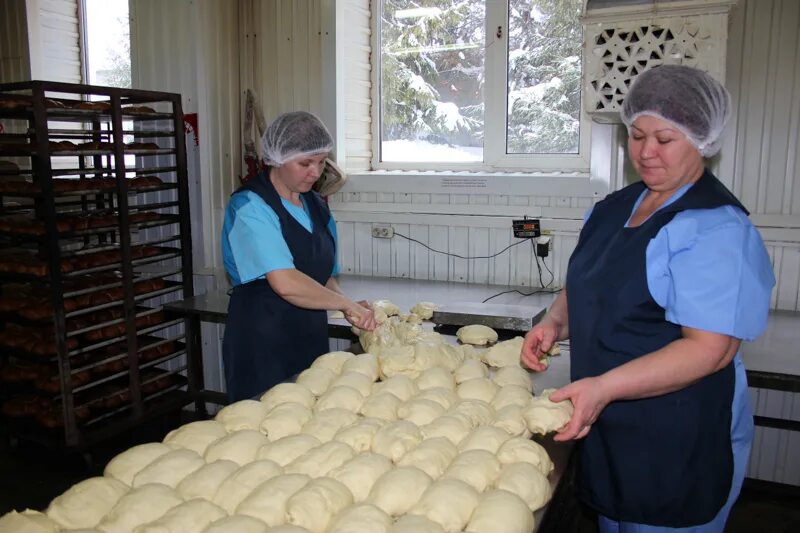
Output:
(30, 477)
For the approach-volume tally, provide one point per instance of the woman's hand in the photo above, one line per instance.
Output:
(538, 341)
(360, 316)
(589, 398)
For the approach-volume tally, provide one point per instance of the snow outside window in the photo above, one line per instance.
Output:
(480, 84)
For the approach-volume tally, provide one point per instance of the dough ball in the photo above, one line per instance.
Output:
(478, 411)
(241, 483)
(513, 375)
(355, 380)
(325, 424)
(340, 397)
(395, 438)
(544, 416)
(240, 447)
(424, 310)
(432, 456)
(487, 438)
(482, 389)
(454, 427)
(398, 360)
(237, 523)
(449, 502)
(506, 353)
(499, 511)
(386, 307)
(27, 521)
(365, 364)
(360, 433)
(360, 518)
(189, 517)
(444, 397)
(419, 411)
(360, 473)
(517, 449)
(139, 506)
(244, 414)
(511, 395)
(126, 465)
(284, 420)
(450, 357)
(204, 482)
(316, 380)
(401, 386)
(196, 436)
(412, 523)
(476, 468)
(510, 420)
(85, 503)
(285, 450)
(527, 482)
(382, 405)
(288, 392)
(469, 351)
(267, 502)
(398, 490)
(436, 354)
(436, 377)
(476, 334)
(321, 460)
(333, 361)
(170, 468)
(470, 369)
(313, 506)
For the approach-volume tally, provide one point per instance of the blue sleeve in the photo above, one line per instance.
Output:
(332, 229)
(709, 269)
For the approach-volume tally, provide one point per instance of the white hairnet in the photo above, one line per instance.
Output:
(293, 135)
(689, 98)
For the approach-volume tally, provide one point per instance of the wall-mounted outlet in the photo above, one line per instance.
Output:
(544, 245)
(382, 231)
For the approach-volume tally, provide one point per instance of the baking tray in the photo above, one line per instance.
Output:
(496, 316)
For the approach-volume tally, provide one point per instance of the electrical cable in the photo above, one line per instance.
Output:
(462, 256)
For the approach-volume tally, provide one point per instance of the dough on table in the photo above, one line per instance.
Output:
(450, 357)
(365, 364)
(267, 502)
(244, 414)
(313, 506)
(513, 375)
(470, 369)
(511, 395)
(401, 386)
(412, 523)
(85, 503)
(288, 392)
(454, 427)
(469, 351)
(360, 518)
(398, 360)
(478, 411)
(510, 420)
(189, 517)
(398, 490)
(487, 438)
(355, 380)
(428, 354)
(449, 502)
(360, 473)
(170, 468)
(395, 438)
(316, 380)
(284, 420)
(240, 447)
(360, 433)
(382, 405)
(204, 482)
(325, 424)
(436, 377)
(476, 334)
(139, 506)
(517, 449)
(444, 397)
(285, 450)
(386, 306)
(432, 456)
(477, 468)
(127, 464)
(321, 460)
(499, 511)
(196, 435)
(527, 482)
(482, 389)
(287, 528)
(333, 361)
(424, 310)
(241, 483)
(544, 416)
(237, 523)
(28, 521)
(506, 353)
(340, 397)
(419, 411)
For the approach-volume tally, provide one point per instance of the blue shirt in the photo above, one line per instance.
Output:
(252, 242)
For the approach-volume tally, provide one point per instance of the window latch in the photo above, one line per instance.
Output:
(499, 32)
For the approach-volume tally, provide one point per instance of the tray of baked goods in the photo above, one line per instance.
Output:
(21, 106)
(83, 185)
(78, 225)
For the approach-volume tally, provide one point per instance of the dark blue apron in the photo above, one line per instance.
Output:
(667, 460)
(268, 339)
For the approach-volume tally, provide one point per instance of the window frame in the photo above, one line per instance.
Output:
(495, 158)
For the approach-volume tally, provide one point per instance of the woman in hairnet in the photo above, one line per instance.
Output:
(279, 250)
(667, 279)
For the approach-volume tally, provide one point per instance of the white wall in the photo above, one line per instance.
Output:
(54, 34)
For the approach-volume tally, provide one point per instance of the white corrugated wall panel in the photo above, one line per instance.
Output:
(358, 84)
(14, 64)
(60, 41)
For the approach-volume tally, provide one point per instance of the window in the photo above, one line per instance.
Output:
(107, 53)
(477, 84)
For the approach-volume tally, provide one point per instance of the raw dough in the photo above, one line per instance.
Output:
(386, 307)
(360, 473)
(477, 334)
(170, 468)
(196, 435)
(419, 411)
(476, 468)
(449, 502)
(432, 456)
(506, 353)
(237, 523)
(510, 420)
(86, 503)
(317, 380)
(499, 511)
(315, 504)
(482, 389)
(512, 395)
(360, 518)
(189, 517)
(487, 438)
(288, 392)
(340, 397)
(401, 386)
(412, 523)
(127, 464)
(139, 506)
(544, 416)
(470, 369)
(321, 460)
(333, 361)
(398, 360)
(436, 377)
(395, 439)
(429, 354)
(204, 482)
(356, 380)
(365, 363)
(241, 483)
(240, 447)
(284, 420)
(527, 482)
(360, 433)
(382, 405)
(424, 310)
(517, 449)
(472, 352)
(325, 424)
(268, 501)
(513, 375)
(398, 490)
(444, 397)
(27, 521)
(478, 411)
(454, 427)
(284, 451)
(244, 414)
